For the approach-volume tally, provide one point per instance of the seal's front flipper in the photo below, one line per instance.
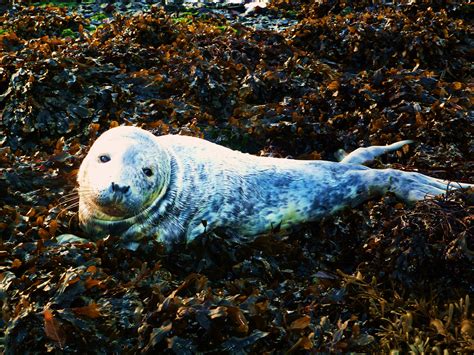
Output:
(364, 155)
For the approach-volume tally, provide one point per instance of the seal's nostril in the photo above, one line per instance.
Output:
(118, 188)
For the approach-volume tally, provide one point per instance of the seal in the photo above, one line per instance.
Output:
(175, 188)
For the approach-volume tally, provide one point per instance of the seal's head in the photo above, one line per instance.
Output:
(125, 172)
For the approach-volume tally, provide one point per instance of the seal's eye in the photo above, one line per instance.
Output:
(147, 172)
(104, 158)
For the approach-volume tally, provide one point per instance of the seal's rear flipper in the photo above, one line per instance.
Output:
(413, 186)
(364, 155)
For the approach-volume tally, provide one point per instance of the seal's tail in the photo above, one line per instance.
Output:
(363, 155)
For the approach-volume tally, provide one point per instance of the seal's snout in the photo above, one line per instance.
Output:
(119, 188)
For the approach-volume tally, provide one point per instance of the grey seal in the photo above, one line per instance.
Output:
(175, 188)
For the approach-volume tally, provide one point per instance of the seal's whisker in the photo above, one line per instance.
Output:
(66, 205)
(67, 198)
(72, 205)
(68, 209)
(82, 188)
(71, 218)
(66, 201)
(73, 192)
(88, 193)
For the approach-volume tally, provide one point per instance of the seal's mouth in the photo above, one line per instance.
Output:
(118, 210)
(117, 219)
(112, 205)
